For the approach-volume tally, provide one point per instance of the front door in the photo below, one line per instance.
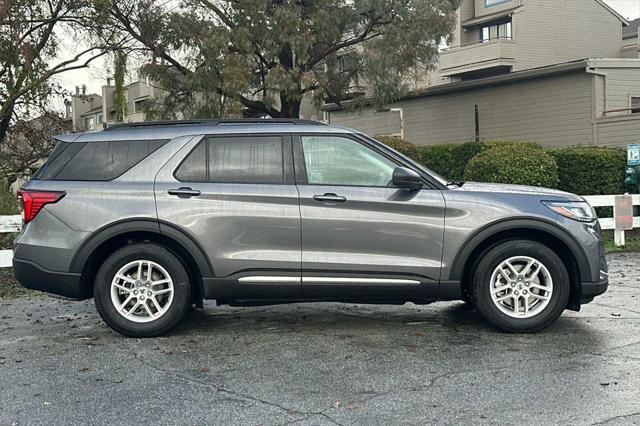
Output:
(236, 197)
(362, 238)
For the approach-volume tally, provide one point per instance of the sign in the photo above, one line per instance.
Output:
(623, 212)
(633, 154)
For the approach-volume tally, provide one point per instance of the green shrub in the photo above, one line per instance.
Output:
(400, 145)
(515, 164)
(440, 158)
(496, 144)
(451, 160)
(8, 202)
(591, 170)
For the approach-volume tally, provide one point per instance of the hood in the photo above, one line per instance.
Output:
(514, 189)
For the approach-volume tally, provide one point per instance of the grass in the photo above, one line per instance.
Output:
(8, 202)
(632, 242)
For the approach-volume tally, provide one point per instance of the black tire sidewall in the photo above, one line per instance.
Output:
(482, 285)
(144, 251)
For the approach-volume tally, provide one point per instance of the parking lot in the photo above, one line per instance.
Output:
(324, 364)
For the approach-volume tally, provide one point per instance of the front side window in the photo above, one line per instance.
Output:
(241, 159)
(335, 160)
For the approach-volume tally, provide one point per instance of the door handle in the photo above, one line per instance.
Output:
(184, 192)
(329, 197)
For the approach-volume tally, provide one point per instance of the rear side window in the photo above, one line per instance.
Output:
(95, 161)
(243, 159)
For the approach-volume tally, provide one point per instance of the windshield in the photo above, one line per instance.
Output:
(443, 180)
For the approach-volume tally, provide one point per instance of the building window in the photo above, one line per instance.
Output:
(99, 118)
(635, 105)
(489, 3)
(140, 105)
(89, 123)
(496, 31)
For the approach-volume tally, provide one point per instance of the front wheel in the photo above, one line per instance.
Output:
(142, 290)
(520, 286)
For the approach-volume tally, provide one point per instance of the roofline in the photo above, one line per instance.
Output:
(624, 20)
(562, 68)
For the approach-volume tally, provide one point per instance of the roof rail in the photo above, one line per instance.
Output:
(215, 122)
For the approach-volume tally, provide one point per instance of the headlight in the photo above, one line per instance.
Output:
(576, 210)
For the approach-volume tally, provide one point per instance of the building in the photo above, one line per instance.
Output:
(557, 73)
(89, 112)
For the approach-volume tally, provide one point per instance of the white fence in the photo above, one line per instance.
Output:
(10, 224)
(609, 222)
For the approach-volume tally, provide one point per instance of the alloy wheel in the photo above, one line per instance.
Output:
(521, 287)
(142, 291)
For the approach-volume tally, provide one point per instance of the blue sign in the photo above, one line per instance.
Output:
(633, 154)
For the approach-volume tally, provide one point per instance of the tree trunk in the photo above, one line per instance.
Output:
(289, 107)
(5, 121)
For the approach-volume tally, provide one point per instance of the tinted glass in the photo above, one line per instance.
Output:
(194, 167)
(334, 160)
(96, 161)
(246, 159)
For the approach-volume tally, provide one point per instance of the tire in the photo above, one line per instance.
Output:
(167, 295)
(520, 303)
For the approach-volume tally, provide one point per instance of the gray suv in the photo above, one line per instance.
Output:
(151, 218)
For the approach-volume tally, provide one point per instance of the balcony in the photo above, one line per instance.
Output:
(495, 54)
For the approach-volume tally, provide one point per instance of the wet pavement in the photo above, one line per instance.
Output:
(324, 363)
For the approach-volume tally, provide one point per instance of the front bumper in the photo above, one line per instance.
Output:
(591, 290)
(33, 276)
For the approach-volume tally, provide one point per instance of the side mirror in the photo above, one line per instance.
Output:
(406, 178)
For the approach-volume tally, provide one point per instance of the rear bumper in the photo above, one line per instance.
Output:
(33, 276)
(591, 290)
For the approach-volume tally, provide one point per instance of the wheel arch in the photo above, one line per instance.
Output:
(542, 231)
(103, 242)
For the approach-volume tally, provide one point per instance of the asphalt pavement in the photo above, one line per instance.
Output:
(324, 363)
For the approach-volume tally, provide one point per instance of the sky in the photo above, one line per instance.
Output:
(95, 75)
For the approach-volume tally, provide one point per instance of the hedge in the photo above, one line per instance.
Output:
(400, 145)
(580, 170)
(514, 164)
(591, 170)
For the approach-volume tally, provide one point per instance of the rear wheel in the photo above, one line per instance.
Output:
(520, 286)
(142, 290)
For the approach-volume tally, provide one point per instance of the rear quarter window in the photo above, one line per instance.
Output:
(95, 161)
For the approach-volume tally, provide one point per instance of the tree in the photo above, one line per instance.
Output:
(265, 56)
(120, 101)
(29, 46)
(27, 143)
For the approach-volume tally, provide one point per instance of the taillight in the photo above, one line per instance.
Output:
(34, 201)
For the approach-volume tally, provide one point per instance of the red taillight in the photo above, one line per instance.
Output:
(34, 201)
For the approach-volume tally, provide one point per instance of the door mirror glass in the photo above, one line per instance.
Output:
(406, 178)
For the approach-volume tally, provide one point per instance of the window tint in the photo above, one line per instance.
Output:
(334, 160)
(194, 167)
(245, 159)
(96, 161)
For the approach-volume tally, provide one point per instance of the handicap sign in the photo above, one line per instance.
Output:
(633, 154)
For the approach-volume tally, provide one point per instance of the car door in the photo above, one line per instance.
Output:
(235, 197)
(362, 238)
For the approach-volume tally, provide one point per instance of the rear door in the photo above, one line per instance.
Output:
(236, 197)
(361, 237)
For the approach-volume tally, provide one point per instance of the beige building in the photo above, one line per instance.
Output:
(557, 73)
(89, 112)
